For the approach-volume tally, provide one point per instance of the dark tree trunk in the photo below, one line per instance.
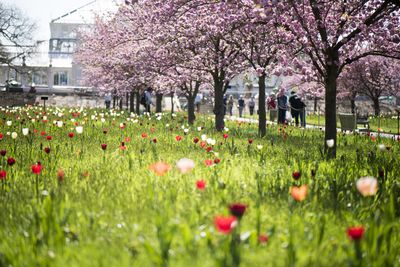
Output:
(114, 101)
(159, 103)
(127, 100)
(172, 103)
(315, 104)
(377, 107)
(191, 115)
(262, 117)
(137, 103)
(219, 103)
(330, 104)
(353, 105)
(120, 102)
(131, 101)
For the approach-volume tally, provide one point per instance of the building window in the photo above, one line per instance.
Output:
(61, 78)
(39, 78)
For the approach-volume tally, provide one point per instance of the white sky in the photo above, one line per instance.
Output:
(43, 11)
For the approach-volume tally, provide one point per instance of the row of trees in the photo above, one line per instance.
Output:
(194, 44)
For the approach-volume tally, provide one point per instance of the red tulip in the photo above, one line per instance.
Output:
(49, 137)
(1, 136)
(208, 162)
(296, 175)
(144, 135)
(3, 152)
(47, 150)
(43, 133)
(60, 175)
(237, 209)
(201, 184)
(250, 141)
(154, 140)
(225, 136)
(217, 160)
(104, 146)
(10, 161)
(263, 239)
(209, 149)
(355, 233)
(202, 144)
(37, 168)
(178, 138)
(70, 135)
(196, 140)
(3, 175)
(225, 224)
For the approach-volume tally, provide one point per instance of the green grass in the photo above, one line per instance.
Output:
(111, 210)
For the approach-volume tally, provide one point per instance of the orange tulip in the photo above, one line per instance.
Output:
(298, 193)
(160, 168)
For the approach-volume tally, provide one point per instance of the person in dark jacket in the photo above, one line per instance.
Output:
(297, 109)
(282, 107)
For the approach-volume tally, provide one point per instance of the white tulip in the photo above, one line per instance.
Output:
(199, 129)
(330, 142)
(9, 123)
(382, 147)
(60, 124)
(79, 129)
(186, 130)
(203, 137)
(25, 131)
(259, 147)
(14, 135)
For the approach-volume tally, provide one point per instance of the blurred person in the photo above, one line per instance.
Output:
(241, 105)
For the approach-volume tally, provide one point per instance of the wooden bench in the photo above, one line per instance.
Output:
(349, 122)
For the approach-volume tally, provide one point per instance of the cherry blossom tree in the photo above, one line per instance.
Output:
(373, 77)
(333, 34)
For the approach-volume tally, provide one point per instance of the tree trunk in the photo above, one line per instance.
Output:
(172, 103)
(219, 104)
(131, 101)
(330, 106)
(114, 101)
(120, 102)
(315, 104)
(191, 115)
(262, 117)
(377, 107)
(353, 105)
(159, 103)
(137, 103)
(127, 100)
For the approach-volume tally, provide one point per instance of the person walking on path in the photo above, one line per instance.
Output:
(146, 100)
(271, 102)
(282, 107)
(230, 105)
(241, 106)
(297, 108)
(252, 104)
(107, 100)
(197, 101)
